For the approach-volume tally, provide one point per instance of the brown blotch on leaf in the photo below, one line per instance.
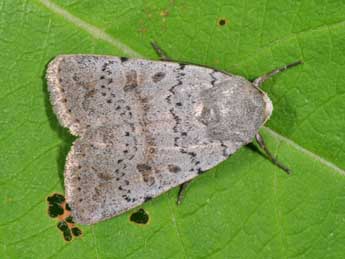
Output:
(164, 13)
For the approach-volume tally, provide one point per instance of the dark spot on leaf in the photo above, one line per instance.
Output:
(55, 210)
(76, 231)
(139, 217)
(62, 225)
(67, 207)
(69, 219)
(56, 198)
(222, 22)
(67, 235)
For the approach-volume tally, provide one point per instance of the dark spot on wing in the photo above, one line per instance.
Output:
(158, 77)
(143, 167)
(105, 176)
(90, 93)
(174, 168)
(131, 80)
(123, 59)
(146, 172)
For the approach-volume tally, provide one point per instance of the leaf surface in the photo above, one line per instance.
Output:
(243, 208)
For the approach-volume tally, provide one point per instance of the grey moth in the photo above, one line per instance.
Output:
(146, 126)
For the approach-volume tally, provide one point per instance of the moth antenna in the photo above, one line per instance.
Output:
(161, 53)
(260, 80)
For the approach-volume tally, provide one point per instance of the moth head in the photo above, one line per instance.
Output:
(268, 106)
(234, 110)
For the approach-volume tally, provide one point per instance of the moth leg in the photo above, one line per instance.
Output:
(161, 53)
(273, 159)
(182, 191)
(260, 80)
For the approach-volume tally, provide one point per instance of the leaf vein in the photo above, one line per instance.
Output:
(89, 28)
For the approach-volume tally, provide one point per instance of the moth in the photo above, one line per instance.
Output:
(146, 126)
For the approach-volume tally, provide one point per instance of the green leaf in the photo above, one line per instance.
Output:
(243, 208)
